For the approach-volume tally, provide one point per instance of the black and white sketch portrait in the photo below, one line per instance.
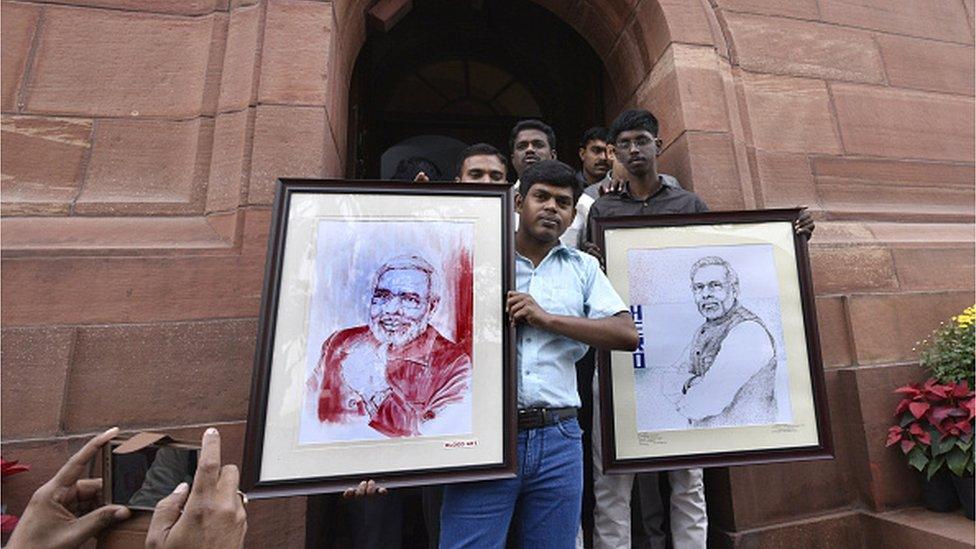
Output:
(712, 342)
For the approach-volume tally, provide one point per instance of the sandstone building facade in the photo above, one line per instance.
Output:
(141, 141)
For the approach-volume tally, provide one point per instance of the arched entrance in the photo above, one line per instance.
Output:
(469, 71)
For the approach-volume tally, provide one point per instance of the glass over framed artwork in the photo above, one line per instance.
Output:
(383, 350)
(728, 370)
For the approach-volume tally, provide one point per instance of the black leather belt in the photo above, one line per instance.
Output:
(533, 418)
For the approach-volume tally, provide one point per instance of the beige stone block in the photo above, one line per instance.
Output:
(845, 269)
(799, 9)
(667, 21)
(660, 93)
(894, 189)
(17, 27)
(237, 75)
(703, 101)
(288, 142)
(905, 202)
(886, 327)
(714, 174)
(35, 366)
(785, 180)
(146, 166)
(935, 268)
(295, 56)
(904, 124)
(835, 344)
(925, 18)
(627, 63)
(800, 48)
(894, 171)
(113, 63)
(227, 163)
(789, 114)
(172, 7)
(685, 91)
(87, 235)
(927, 65)
(157, 367)
(950, 235)
(215, 63)
(42, 291)
(42, 160)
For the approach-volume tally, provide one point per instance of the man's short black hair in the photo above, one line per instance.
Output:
(633, 119)
(532, 124)
(478, 149)
(552, 172)
(408, 168)
(596, 133)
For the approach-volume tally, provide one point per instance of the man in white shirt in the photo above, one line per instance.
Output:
(532, 141)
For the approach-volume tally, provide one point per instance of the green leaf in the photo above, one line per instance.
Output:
(906, 420)
(933, 467)
(917, 458)
(943, 446)
(957, 461)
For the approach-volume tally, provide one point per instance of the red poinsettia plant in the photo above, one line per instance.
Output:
(8, 468)
(935, 426)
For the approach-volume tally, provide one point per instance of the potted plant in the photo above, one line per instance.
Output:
(9, 468)
(949, 355)
(935, 418)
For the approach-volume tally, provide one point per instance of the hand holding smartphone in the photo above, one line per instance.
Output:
(140, 471)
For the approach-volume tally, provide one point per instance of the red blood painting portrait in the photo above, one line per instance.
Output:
(390, 331)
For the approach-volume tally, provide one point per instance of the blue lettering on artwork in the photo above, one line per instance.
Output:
(637, 311)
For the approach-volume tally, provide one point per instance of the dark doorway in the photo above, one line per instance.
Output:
(455, 71)
(468, 70)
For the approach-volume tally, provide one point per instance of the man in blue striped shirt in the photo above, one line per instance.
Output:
(563, 303)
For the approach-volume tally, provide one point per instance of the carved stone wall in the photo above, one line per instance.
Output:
(141, 140)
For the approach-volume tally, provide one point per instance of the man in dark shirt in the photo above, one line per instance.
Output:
(634, 136)
(594, 160)
(637, 150)
(636, 146)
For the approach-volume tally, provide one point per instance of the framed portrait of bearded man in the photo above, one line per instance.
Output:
(383, 350)
(728, 370)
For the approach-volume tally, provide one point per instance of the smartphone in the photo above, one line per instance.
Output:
(139, 477)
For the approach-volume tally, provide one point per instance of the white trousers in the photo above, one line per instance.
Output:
(611, 520)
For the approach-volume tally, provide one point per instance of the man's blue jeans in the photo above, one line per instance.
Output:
(547, 495)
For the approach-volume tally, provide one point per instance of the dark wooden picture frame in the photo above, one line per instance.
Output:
(502, 358)
(821, 449)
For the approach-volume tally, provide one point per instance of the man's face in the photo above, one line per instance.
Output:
(637, 150)
(714, 292)
(595, 159)
(400, 307)
(546, 212)
(531, 146)
(485, 168)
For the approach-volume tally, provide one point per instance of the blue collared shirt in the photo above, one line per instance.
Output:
(570, 283)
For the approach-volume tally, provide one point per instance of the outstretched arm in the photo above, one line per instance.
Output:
(615, 332)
